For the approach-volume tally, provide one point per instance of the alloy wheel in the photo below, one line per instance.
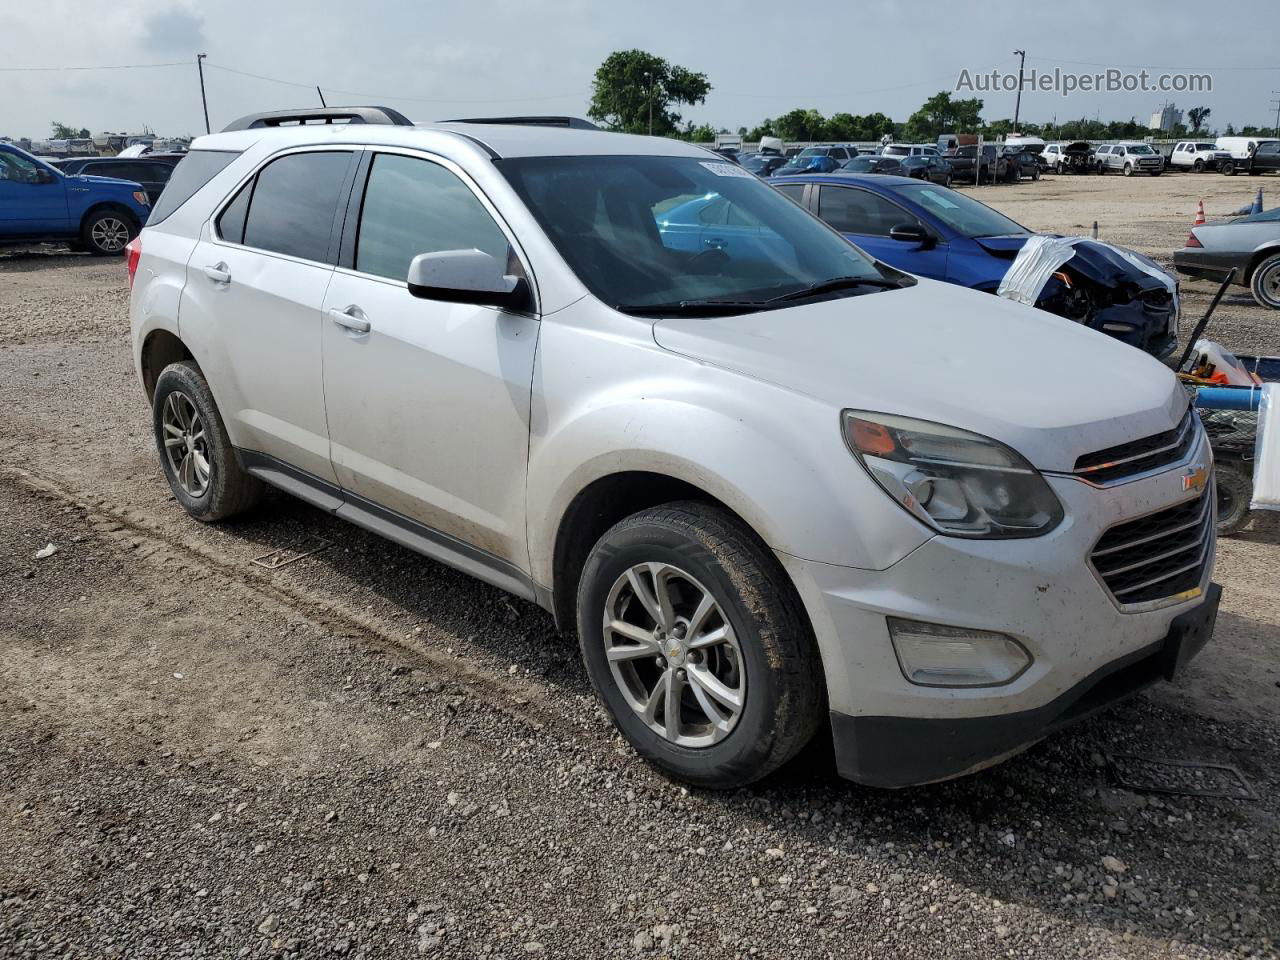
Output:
(185, 445)
(1269, 285)
(110, 234)
(674, 655)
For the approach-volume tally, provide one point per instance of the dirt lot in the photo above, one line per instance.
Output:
(365, 754)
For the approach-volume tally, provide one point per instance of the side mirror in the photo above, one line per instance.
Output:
(44, 176)
(913, 233)
(467, 276)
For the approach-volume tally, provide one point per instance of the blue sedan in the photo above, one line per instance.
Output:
(935, 232)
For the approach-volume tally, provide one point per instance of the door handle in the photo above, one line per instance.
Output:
(352, 318)
(218, 273)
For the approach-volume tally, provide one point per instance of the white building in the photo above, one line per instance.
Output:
(1166, 118)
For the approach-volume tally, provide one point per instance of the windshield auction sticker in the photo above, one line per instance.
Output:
(727, 169)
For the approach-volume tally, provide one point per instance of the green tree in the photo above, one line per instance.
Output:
(941, 114)
(1197, 116)
(632, 85)
(765, 128)
(801, 124)
(701, 133)
(62, 132)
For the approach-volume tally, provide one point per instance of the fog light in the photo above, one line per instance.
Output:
(933, 655)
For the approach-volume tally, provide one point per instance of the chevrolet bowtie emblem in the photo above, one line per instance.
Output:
(1195, 479)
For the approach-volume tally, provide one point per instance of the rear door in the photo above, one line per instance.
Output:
(33, 200)
(428, 403)
(866, 218)
(251, 307)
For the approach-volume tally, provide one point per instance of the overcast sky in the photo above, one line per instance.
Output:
(445, 58)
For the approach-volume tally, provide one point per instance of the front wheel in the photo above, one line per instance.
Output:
(1235, 489)
(1035, 174)
(107, 232)
(195, 452)
(697, 645)
(1198, 166)
(947, 181)
(1228, 169)
(1128, 170)
(1265, 283)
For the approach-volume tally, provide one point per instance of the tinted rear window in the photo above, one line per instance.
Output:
(294, 202)
(194, 170)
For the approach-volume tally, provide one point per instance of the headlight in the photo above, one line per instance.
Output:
(960, 483)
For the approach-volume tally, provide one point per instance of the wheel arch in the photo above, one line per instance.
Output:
(103, 205)
(160, 348)
(1256, 260)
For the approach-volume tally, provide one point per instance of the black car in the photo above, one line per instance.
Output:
(1021, 163)
(763, 164)
(1265, 158)
(874, 164)
(994, 167)
(152, 172)
(928, 167)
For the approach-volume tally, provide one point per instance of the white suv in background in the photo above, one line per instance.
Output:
(751, 465)
(1194, 155)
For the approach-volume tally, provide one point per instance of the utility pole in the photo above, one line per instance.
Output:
(648, 75)
(1017, 104)
(1277, 103)
(203, 100)
(322, 103)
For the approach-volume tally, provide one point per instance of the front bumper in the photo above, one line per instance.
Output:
(905, 751)
(1041, 591)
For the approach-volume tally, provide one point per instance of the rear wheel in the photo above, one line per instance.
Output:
(197, 456)
(1235, 489)
(1265, 283)
(107, 232)
(696, 644)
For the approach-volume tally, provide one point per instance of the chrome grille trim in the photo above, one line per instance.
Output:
(1173, 446)
(1158, 558)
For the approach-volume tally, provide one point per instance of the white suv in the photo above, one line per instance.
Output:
(772, 482)
(1194, 155)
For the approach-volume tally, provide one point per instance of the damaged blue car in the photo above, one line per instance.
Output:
(934, 232)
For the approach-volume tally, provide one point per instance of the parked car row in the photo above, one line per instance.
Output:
(774, 481)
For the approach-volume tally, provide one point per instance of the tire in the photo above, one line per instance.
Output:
(1128, 170)
(947, 182)
(1156, 173)
(1198, 166)
(1235, 488)
(1228, 169)
(769, 659)
(1035, 174)
(104, 233)
(220, 488)
(1265, 283)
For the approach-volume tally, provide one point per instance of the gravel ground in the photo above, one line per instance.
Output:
(366, 754)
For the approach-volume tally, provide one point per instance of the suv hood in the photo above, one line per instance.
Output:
(1049, 388)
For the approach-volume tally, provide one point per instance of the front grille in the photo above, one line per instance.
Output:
(1159, 555)
(1136, 457)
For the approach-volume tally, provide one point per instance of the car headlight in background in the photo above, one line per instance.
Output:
(960, 483)
(142, 198)
(934, 655)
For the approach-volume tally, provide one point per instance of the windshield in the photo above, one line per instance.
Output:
(812, 152)
(862, 164)
(661, 230)
(961, 213)
(1141, 148)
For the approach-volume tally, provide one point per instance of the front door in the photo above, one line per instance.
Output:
(251, 307)
(428, 402)
(33, 200)
(866, 218)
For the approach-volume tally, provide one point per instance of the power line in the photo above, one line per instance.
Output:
(1149, 66)
(118, 66)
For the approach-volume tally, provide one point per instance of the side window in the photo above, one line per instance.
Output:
(230, 222)
(793, 190)
(17, 169)
(294, 202)
(851, 210)
(414, 206)
(714, 212)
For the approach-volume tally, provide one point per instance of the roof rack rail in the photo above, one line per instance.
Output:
(320, 115)
(576, 123)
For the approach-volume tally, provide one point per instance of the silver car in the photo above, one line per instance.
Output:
(1250, 244)
(1129, 158)
(749, 465)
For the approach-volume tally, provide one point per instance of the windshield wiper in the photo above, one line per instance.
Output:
(696, 308)
(837, 283)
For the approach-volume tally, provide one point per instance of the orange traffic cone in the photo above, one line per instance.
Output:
(1199, 215)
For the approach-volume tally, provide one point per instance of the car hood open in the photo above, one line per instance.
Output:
(1094, 261)
(1051, 389)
